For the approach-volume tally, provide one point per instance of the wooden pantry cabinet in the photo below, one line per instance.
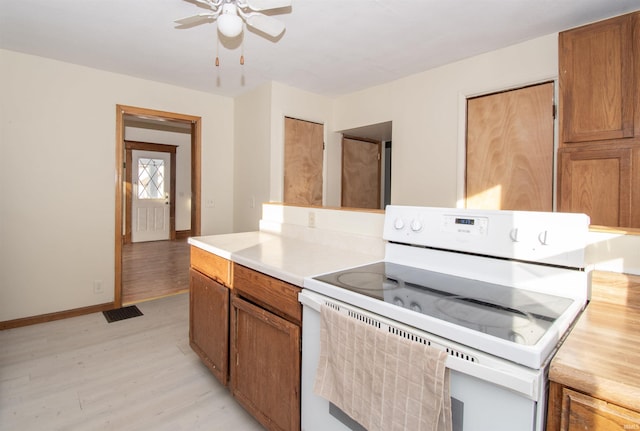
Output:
(598, 161)
(266, 348)
(210, 283)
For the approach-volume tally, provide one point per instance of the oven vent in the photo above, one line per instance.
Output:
(398, 330)
(409, 336)
(365, 319)
(412, 336)
(333, 305)
(461, 355)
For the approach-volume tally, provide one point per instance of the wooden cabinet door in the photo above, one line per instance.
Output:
(209, 323)
(509, 160)
(265, 365)
(582, 412)
(361, 171)
(597, 80)
(598, 183)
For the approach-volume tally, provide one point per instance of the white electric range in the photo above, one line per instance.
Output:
(498, 290)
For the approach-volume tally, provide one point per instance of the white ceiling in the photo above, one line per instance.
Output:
(330, 47)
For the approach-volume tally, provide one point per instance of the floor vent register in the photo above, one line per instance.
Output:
(122, 313)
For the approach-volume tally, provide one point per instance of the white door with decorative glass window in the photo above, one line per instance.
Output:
(150, 196)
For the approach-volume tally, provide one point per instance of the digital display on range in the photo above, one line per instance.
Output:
(466, 221)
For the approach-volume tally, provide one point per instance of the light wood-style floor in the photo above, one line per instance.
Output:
(154, 269)
(83, 374)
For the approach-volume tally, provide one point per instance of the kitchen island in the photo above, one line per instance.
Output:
(245, 318)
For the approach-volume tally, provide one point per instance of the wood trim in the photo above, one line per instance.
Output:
(196, 143)
(183, 234)
(50, 317)
(117, 294)
(196, 179)
(148, 146)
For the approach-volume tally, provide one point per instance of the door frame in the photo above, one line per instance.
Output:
(159, 148)
(196, 137)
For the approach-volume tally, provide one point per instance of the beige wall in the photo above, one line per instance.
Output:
(427, 111)
(259, 145)
(252, 153)
(57, 211)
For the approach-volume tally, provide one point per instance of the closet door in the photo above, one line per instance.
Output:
(360, 173)
(303, 153)
(509, 155)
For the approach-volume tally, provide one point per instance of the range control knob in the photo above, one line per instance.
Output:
(544, 237)
(416, 225)
(398, 224)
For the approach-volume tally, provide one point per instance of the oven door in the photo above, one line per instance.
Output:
(486, 393)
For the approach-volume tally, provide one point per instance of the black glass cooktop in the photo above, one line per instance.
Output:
(517, 315)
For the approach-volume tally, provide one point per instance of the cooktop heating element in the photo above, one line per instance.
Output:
(501, 311)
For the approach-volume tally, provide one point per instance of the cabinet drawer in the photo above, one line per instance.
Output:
(216, 267)
(275, 295)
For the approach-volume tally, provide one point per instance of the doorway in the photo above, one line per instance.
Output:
(150, 192)
(194, 124)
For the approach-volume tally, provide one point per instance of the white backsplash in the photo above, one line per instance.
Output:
(359, 231)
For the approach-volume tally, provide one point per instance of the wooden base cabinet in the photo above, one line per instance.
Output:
(266, 346)
(210, 279)
(265, 369)
(570, 410)
(209, 323)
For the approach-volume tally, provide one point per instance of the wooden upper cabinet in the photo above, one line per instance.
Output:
(597, 182)
(599, 65)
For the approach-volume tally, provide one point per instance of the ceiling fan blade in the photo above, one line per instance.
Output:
(259, 5)
(212, 4)
(265, 24)
(196, 18)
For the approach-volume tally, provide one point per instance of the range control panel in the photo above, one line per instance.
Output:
(544, 237)
(465, 225)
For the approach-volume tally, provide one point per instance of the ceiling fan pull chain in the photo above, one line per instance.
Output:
(242, 47)
(217, 49)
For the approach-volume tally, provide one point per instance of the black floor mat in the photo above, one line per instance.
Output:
(122, 313)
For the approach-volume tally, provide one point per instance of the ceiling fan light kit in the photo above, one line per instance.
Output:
(229, 23)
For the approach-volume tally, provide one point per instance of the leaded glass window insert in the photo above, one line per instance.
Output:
(150, 178)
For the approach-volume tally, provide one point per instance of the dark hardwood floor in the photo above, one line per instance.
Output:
(154, 269)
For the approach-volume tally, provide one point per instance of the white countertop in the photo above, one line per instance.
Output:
(288, 259)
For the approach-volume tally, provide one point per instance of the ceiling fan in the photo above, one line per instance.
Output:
(231, 13)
